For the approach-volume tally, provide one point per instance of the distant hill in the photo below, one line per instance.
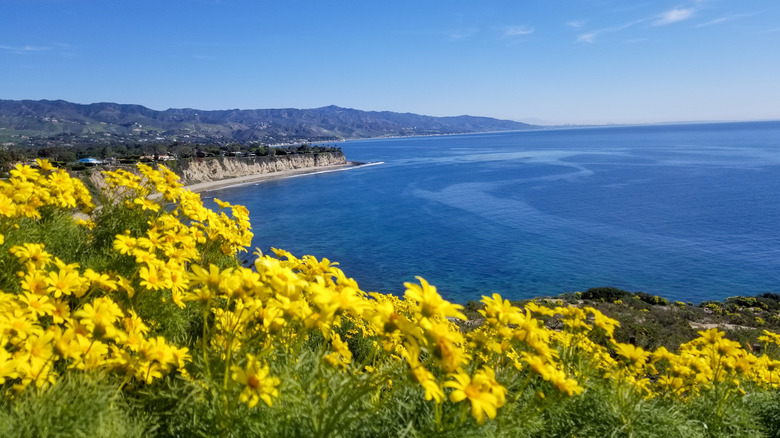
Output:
(57, 122)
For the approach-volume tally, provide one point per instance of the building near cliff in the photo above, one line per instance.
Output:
(90, 161)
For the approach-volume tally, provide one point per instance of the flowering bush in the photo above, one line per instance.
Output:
(146, 297)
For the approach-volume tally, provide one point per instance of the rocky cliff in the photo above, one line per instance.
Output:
(215, 169)
(200, 170)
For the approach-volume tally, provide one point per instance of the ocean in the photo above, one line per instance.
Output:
(688, 212)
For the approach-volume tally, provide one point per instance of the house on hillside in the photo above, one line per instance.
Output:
(90, 161)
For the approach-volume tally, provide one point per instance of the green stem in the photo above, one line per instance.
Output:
(125, 381)
(204, 341)
(347, 404)
(228, 352)
(437, 411)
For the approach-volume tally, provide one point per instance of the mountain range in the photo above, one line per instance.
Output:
(62, 123)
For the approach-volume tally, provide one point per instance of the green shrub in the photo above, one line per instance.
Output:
(652, 299)
(80, 405)
(606, 294)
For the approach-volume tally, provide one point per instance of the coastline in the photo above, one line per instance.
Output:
(264, 177)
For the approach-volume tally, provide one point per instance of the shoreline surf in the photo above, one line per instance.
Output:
(209, 186)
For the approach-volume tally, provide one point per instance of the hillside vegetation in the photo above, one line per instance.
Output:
(141, 321)
(61, 123)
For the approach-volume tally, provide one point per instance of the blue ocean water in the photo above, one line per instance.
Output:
(689, 212)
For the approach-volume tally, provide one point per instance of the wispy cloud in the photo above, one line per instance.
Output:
(462, 34)
(20, 50)
(590, 37)
(513, 31)
(674, 16)
(724, 19)
(714, 22)
(587, 37)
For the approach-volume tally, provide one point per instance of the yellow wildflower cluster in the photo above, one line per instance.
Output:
(60, 316)
(143, 191)
(709, 360)
(515, 334)
(30, 189)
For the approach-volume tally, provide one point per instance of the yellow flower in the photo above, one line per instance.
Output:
(35, 282)
(540, 365)
(7, 206)
(86, 223)
(39, 305)
(661, 353)
(424, 377)
(565, 384)
(99, 316)
(125, 284)
(147, 204)
(221, 204)
(24, 172)
(32, 253)
(603, 322)
(210, 278)
(341, 356)
(727, 347)
(45, 165)
(38, 350)
(770, 338)
(487, 377)
(445, 344)
(711, 336)
(153, 240)
(574, 318)
(429, 303)
(635, 356)
(333, 302)
(499, 310)
(157, 349)
(64, 282)
(36, 372)
(479, 391)
(125, 244)
(387, 320)
(92, 354)
(270, 318)
(102, 281)
(7, 366)
(258, 385)
(61, 311)
(152, 279)
(428, 381)
(539, 310)
(20, 325)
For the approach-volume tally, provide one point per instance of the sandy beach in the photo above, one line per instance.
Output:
(252, 179)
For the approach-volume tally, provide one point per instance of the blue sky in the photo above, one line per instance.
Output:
(555, 61)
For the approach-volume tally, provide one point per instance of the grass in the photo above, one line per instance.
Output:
(80, 405)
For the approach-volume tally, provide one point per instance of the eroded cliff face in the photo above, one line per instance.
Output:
(200, 170)
(214, 169)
